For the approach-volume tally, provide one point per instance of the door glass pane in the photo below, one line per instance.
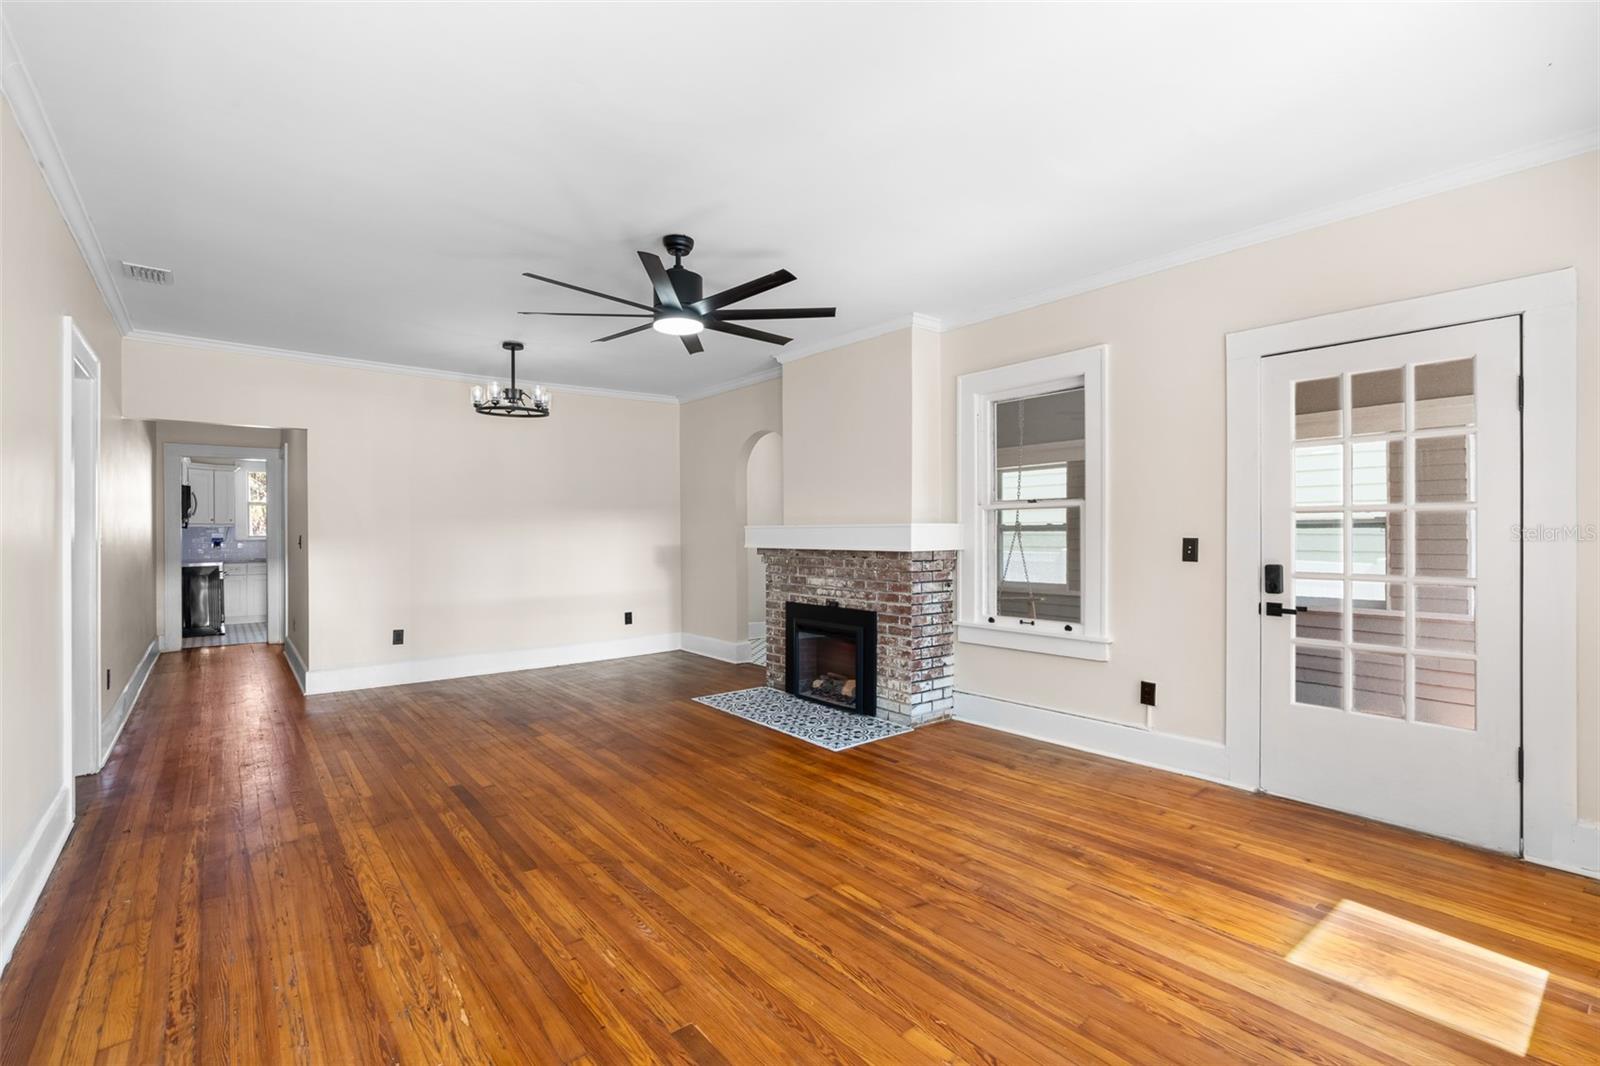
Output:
(1378, 543)
(1040, 563)
(1445, 469)
(1379, 612)
(1378, 401)
(1446, 619)
(1378, 684)
(1447, 691)
(1319, 676)
(1445, 395)
(1319, 475)
(1318, 410)
(1319, 544)
(1377, 472)
(1039, 447)
(1321, 610)
(1445, 546)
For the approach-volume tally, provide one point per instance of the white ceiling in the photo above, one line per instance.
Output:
(369, 181)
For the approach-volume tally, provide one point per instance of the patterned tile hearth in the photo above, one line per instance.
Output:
(811, 722)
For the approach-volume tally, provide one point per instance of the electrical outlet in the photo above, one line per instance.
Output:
(627, 618)
(1191, 549)
(399, 636)
(1147, 693)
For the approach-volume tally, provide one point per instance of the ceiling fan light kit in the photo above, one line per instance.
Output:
(511, 401)
(677, 307)
(678, 325)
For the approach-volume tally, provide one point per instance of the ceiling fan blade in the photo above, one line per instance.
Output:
(665, 293)
(743, 331)
(693, 344)
(586, 314)
(742, 292)
(624, 333)
(591, 292)
(753, 314)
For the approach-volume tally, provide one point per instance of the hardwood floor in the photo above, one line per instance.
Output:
(579, 865)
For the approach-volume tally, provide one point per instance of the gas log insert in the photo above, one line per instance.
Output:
(832, 656)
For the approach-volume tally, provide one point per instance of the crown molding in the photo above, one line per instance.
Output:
(718, 389)
(347, 363)
(1510, 163)
(911, 321)
(23, 97)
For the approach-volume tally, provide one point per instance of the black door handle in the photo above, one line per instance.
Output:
(1275, 609)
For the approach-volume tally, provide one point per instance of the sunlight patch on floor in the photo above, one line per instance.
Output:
(1471, 989)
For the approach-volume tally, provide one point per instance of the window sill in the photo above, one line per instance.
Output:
(1068, 645)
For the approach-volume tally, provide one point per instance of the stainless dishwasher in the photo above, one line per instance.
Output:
(203, 607)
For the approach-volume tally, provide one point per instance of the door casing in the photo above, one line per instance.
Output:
(1547, 305)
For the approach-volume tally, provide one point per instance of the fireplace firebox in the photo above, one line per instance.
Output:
(833, 656)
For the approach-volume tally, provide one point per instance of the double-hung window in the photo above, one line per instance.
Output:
(1033, 506)
(251, 503)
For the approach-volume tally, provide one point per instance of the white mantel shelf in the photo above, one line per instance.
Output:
(907, 537)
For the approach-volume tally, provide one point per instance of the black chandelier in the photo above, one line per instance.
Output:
(511, 402)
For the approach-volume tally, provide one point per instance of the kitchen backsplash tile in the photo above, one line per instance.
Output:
(197, 546)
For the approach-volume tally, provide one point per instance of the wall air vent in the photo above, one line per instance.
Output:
(147, 274)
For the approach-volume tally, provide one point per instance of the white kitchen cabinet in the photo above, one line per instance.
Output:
(213, 493)
(244, 589)
(233, 592)
(222, 496)
(201, 485)
(255, 590)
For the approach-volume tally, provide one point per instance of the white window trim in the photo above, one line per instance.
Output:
(976, 396)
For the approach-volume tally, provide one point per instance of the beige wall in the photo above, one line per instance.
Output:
(763, 489)
(296, 622)
(42, 279)
(1166, 333)
(474, 535)
(718, 435)
(847, 455)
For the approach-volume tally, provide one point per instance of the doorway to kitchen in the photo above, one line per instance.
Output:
(223, 511)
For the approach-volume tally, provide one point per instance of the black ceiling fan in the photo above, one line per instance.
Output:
(680, 310)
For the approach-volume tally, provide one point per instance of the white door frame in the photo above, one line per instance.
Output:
(172, 569)
(1548, 306)
(80, 551)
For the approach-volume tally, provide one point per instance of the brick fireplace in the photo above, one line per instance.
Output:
(912, 594)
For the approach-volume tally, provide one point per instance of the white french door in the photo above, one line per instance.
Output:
(1391, 625)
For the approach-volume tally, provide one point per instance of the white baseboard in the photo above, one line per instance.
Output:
(1577, 853)
(1163, 751)
(28, 877)
(412, 671)
(728, 651)
(122, 710)
(297, 662)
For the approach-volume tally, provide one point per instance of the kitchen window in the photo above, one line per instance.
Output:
(1033, 506)
(253, 504)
